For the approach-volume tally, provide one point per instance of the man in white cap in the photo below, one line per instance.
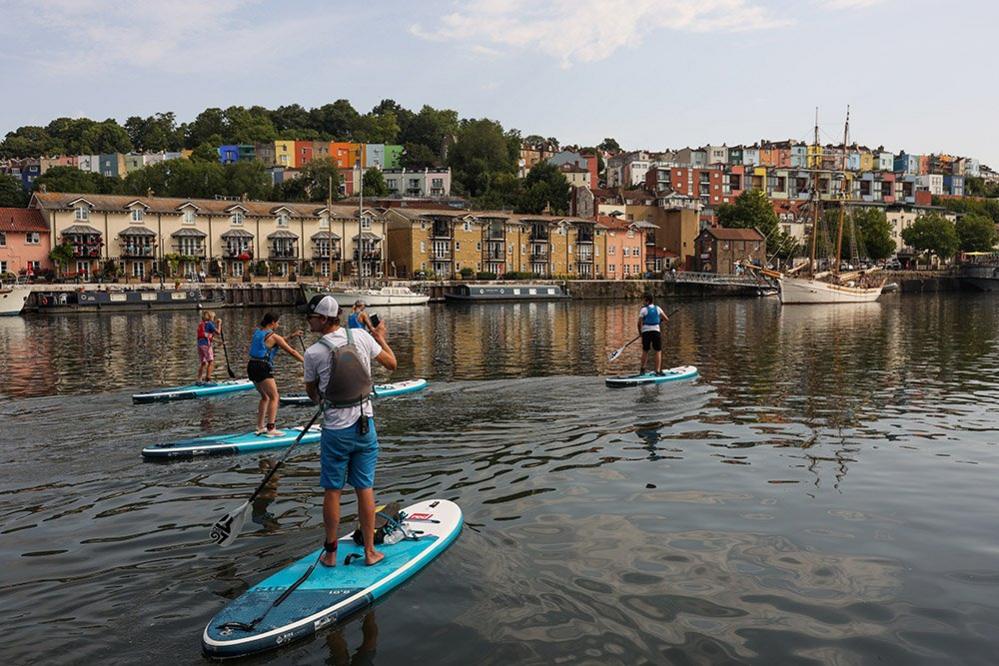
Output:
(349, 445)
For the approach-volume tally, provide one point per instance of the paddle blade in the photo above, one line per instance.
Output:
(227, 528)
(614, 354)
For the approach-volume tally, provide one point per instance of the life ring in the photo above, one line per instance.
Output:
(45, 300)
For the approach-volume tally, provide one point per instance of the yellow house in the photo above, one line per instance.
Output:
(284, 154)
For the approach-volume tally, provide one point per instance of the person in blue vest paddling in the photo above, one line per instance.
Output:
(650, 321)
(260, 369)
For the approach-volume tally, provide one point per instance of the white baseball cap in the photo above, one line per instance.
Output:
(325, 306)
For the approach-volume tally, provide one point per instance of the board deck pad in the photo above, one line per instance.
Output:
(671, 375)
(329, 594)
(192, 391)
(220, 445)
(381, 391)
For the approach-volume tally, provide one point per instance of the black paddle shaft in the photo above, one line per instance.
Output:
(273, 470)
(225, 352)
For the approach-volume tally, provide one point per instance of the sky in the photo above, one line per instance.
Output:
(919, 75)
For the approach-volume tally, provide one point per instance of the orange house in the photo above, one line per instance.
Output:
(346, 154)
(625, 253)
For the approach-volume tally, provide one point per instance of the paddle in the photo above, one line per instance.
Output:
(617, 352)
(227, 528)
(225, 351)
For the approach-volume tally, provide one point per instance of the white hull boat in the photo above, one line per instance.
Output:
(805, 291)
(383, 296)
(13, 298)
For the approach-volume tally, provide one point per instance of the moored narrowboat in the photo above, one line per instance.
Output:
(506, 292)
(97, 301)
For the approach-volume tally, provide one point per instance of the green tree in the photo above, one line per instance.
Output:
(932, 234)
(337, 120)
(106, 137)
(751, 210)
(374, 184)
(71, 135)
(505, 192)
(207, 151)
(247, 125)
(481, 150)
(874, 232)
(976, 232)
(292, 117)
(610, 145)
(28, 141)
(208, 126)
(372, 128)
(61, 255)
(430, 128)
(418, 156)
(247, 178)
(312, 183)
(71, 179)
(156, 133)
(545, 186)
(12, 195)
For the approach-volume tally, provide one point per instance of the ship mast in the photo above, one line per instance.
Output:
(842, 202)
(815, 199)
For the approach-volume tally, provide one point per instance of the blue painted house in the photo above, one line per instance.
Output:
(229, 154)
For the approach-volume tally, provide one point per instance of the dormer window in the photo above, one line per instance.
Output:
(190, 217)
(236, 218)
(365, 221)
(324, 222)
(82, 213)
(137, 215)
(467, 226)
(282, 219)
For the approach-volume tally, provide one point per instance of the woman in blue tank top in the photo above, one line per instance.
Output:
(260, 369)
(359, 318)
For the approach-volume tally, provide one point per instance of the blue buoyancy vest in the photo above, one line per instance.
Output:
(353, 321)
(259, 350)
(651, 315)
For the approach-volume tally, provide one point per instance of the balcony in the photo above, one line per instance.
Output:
(138, 251)
(495, 235)
(232, 252)
(372, 255)
(539, 257)
(86, 251)
(282, 253)
(440, 255)
(441, 231)
(538, 237)
(324, 253)
(196, 252)
(491, 255)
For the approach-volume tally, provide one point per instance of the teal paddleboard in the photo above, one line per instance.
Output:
(381, 391)
(268, 616)
(222, 445)
(671, 375)
(192, 391)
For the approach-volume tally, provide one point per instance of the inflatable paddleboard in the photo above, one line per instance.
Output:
(328, 595)
(223, 445)
(192, 391)
(671, 375)
(381, 391)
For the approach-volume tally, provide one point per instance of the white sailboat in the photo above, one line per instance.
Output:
(12, 298)
(831, 286)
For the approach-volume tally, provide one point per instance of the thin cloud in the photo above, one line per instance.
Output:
(575, 31)
(850, 4)
(178, 36)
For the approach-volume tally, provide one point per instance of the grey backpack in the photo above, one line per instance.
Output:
(350, 382)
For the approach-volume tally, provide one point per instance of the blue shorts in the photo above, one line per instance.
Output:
(347, 457)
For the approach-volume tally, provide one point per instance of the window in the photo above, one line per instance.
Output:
(478, 246)
(324, 222)
(190, 216)
(570, 248)
(30, 238)
(35, 265)
(423, 246)
(365, 221)
(457, 246)
(282, 220)
(3, 239)
(82, 213)
(237, 218)
(510, 248)
(3, 267)
(467, 226)
(138, 269)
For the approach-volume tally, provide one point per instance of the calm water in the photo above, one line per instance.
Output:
(824, 492)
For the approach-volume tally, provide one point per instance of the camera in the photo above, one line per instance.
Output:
(375, 321)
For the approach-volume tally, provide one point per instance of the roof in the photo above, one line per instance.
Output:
(282, 233)
(618, 224)
(80, 229)
(723, 233)
(324, 235)
(173, 205)
(137, 231)
(22, 219)
(237, 233)
(192, 233)
(367, 235)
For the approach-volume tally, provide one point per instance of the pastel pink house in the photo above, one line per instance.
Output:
(24, 241)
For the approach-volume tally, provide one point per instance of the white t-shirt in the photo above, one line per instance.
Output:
(317, 367)
(651, 327)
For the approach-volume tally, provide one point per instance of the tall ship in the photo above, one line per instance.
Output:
(12, 298)
(831, 286)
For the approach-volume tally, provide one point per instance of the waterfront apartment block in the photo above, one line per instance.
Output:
(223, 238)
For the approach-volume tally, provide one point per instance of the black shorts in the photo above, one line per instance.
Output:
(258, 370)
(653, 339)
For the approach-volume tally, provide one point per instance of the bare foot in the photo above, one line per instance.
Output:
(373, 558)
(328, 559)
(274, 433)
